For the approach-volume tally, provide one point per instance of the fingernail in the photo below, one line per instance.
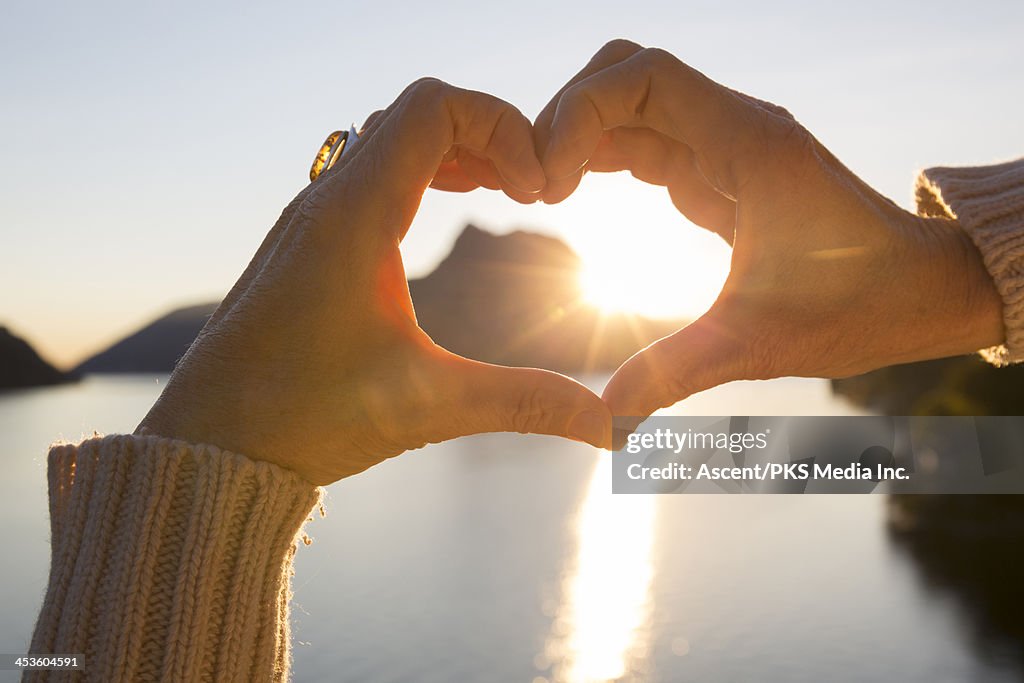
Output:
(537, 180)
(534, 184)
(620, 437)
(622, 427)
(590, 426)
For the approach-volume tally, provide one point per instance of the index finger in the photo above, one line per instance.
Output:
(396, 164)
(613, 52)
(654, 89)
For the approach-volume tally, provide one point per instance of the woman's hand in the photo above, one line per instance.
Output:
(828, 278)
(314, 361)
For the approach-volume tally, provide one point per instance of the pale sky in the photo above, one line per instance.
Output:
(147, 147)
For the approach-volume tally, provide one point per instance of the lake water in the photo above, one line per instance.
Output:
(506, 558)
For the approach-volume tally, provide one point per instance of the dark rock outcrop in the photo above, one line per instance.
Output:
(21, 366)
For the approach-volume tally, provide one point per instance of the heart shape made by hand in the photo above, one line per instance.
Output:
(825, 280)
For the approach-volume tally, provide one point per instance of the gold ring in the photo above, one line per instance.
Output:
(333, 148)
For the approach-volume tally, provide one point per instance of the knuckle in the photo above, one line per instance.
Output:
(617, 49)
(757, 355)
(499, 111)
(423, 103)
(673, 388)
(318, 216)
(665, 381)
(778, 110)
(426, 89)
(761, 361)
(529, 413)
(771, 107)
(659, 59)
(573, 96)
(315, 205)
(372, 118)
(312, 226)
(786, 136)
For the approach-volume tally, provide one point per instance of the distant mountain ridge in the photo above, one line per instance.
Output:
(156, 347)
(21, 366)
(512, 299)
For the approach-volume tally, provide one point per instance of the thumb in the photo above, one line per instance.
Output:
(702, 355)
(494, 398)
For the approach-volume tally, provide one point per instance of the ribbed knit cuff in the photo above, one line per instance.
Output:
(988, 202)
(170, 561)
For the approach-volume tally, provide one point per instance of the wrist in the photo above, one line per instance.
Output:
(194, 415)
(958, 289)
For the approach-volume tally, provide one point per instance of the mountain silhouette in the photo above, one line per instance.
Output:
(511, 299)
(21, 366)
(154, 348)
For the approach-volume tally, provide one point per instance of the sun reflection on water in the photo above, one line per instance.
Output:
(601, 627)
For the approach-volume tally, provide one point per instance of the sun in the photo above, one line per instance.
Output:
(655, 284)
(613, 293)
(638, 254)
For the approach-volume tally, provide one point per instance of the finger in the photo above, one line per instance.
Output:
(450, 177)
(467, 172)
(520, 196)
(397, 163)
(612, 53)
(702, 355)
(703, 205)
(481, 170)
(559, 189)
(370, 122)
(655, 90)
(494, 398)
(658, 159)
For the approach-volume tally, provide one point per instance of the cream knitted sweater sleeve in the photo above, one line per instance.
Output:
(170, 562)
(988, 202)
